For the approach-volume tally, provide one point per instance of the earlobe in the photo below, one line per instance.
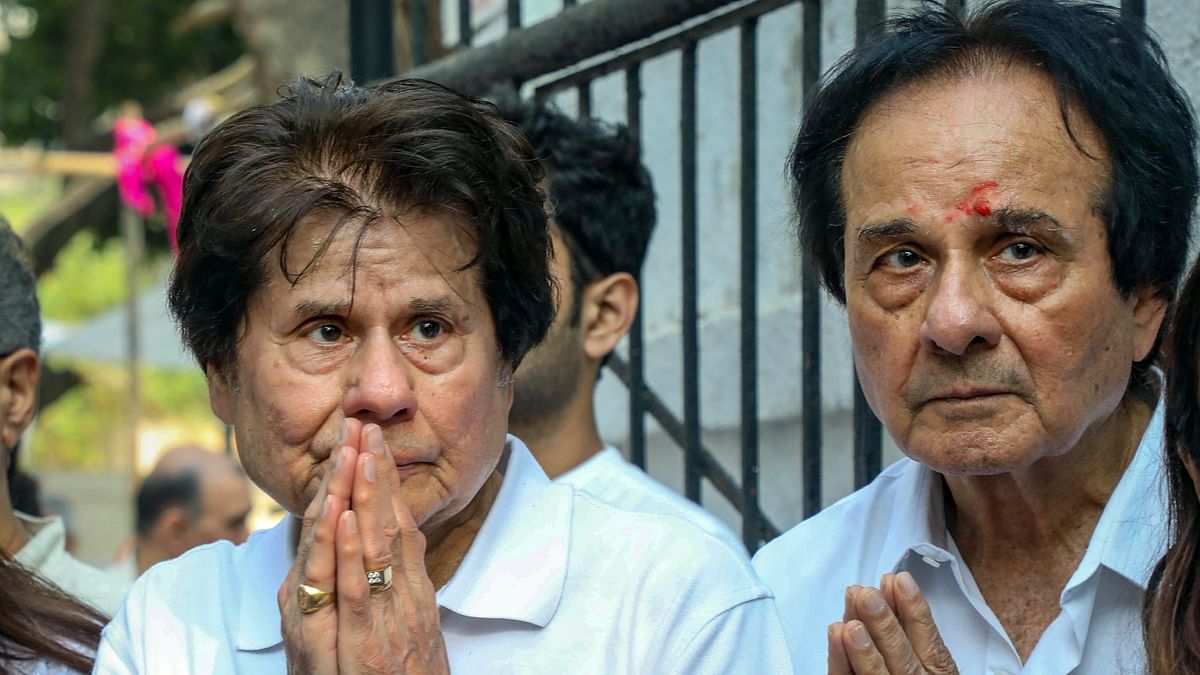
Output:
(611, 305)
(1149, 312)
(220, 394)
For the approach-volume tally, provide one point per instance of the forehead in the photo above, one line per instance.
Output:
(945, 135)
(334, 249)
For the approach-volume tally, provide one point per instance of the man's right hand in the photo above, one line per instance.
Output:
(888, 631)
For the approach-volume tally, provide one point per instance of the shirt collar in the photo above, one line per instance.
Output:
(515, 569)
(1131, 534)
(918, 513)
(264, 563)
(517, 566)
(48, 540)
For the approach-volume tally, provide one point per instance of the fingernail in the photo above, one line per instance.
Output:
(351, 522)
(908, 585)
(342, 433)
(375, 441)
(873, 602)
(859, 636)
(337, 458)
(369, 469)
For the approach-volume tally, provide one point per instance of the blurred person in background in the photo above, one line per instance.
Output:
(40, 623)
(602, 216)
(192, 497)
(1172, 615)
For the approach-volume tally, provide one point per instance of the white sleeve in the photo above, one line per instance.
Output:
(120, 650)
(747, 638)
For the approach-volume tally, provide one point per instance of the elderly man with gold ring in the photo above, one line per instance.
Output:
(360, 272)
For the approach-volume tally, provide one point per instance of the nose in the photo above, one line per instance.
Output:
(380, 388)
(959, 316)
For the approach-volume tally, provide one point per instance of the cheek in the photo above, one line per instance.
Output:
(289, 404)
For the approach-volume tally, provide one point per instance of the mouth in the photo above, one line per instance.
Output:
(968, 395)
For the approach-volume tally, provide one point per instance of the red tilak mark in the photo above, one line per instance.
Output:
(977, 204)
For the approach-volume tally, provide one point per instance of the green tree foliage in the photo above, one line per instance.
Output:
(139, 58)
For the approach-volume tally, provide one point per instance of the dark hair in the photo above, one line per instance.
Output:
(163, 490)
(20, 319)
(1172, 612)
(601, 195)
(404, 145)
(41, 622)
(1106, 63)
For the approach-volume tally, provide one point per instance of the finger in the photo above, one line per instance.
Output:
(373, 514)
(352, 434)
(887, 586)
(917, 619)
(864, 658)
(850, 609)
(838, 663)
(320, 568)
(388, 478)
(309, 519)
(887, 634)
(341, 476)
(355, 614)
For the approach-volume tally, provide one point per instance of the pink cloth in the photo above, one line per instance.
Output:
(141, 163)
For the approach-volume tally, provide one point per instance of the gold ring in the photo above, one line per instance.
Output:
(380, 580)
(311, 598)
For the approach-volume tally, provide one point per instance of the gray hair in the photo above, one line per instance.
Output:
(20, 322)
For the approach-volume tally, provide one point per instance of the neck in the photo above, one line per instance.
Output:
(568, 440)
(1049, 509)
(146, 555)
(447, 544)
(13, 535)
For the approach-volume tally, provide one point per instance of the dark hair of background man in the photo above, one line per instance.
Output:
(601, 196)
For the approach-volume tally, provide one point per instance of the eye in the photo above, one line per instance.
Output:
(427, 330)
(901, 258)
(326, 333)
(1018, 251)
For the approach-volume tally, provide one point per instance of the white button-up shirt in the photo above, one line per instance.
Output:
(897, 524)
(609, 478)
(46, 554)
(555, 582)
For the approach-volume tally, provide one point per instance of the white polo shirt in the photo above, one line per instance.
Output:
(555, 582)
(897, 523)
(609, 478)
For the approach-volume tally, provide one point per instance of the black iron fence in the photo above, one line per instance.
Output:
(618, 36)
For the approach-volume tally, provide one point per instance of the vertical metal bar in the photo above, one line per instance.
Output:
(868, 440)
(585, 99)
(868, 435)
(1134, 8)
(371, 56)
(466, 30)
(810, 303)
(752, 531)
(133, 230)
(419, 24)
(514, 14)
(691, 341)
(868, 18)
(637, 405)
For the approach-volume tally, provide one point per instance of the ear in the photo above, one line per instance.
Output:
(1149, 309)
(18, 394)
(220, 394)
(171, 530)
(609, 306)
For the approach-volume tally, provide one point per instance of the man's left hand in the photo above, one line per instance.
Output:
(888, 631)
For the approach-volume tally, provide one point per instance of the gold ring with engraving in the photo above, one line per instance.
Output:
(380, 580)
(311, 598)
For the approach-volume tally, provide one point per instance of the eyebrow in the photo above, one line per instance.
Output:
(317, 308)
(430, 305)
(1015, 220)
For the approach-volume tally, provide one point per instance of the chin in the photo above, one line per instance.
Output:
(967, 454)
